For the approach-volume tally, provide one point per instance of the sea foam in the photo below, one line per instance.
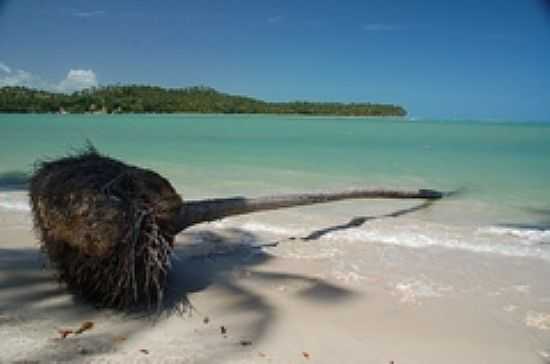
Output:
(420, 235)
(528, 236)
(14, 202)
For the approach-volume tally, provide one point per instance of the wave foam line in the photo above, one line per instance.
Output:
(13, 204)
(490, 240)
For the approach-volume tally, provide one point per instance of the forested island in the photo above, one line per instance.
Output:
(150, 99)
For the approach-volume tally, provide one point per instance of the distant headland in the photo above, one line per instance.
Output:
(151, 99)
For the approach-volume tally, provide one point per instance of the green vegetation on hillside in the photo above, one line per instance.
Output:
(149, 99)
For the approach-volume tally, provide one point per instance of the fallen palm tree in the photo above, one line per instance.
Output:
(109, 227)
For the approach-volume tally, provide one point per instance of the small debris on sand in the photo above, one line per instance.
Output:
(306, 354)
(119, 339)
(144, 351)
(245, 342)
(64, 332)
(223, 330)
(85, 326)
(206, 320)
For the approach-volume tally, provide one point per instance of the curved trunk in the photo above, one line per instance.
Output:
(195, 212)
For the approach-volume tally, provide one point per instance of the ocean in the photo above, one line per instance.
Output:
(500, 170)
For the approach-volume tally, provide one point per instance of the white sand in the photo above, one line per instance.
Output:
(337, 302)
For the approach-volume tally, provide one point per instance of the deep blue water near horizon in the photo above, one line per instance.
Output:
(503, 167)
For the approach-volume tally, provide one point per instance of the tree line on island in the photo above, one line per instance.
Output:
(151, 99)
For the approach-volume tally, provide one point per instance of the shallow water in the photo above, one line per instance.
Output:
(503, 170)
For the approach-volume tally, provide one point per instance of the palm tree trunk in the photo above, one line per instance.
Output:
(195, 212)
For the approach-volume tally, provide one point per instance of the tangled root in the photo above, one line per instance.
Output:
(106, 227)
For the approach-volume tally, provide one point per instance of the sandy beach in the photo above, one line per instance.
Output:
(319, 300)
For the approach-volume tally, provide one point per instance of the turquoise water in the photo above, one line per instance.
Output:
(504, 167)
(507, 162)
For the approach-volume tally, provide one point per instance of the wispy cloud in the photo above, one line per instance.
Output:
(88, 14)
(381, 27)
(4, 68)
(76, 80)
(17, 77)
(275, 19)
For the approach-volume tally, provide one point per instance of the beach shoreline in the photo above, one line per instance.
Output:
(299, 301)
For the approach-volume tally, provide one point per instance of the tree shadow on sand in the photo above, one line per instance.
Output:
(228, 260)
(34, 302)
(360, 220)
(34, 305)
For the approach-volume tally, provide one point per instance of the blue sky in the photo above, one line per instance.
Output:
(453, 59)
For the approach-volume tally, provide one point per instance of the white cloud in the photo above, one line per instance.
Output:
(77, 80)
(88, 14)
(381, 27)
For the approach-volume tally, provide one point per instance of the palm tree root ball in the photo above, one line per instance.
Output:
(106, 227)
